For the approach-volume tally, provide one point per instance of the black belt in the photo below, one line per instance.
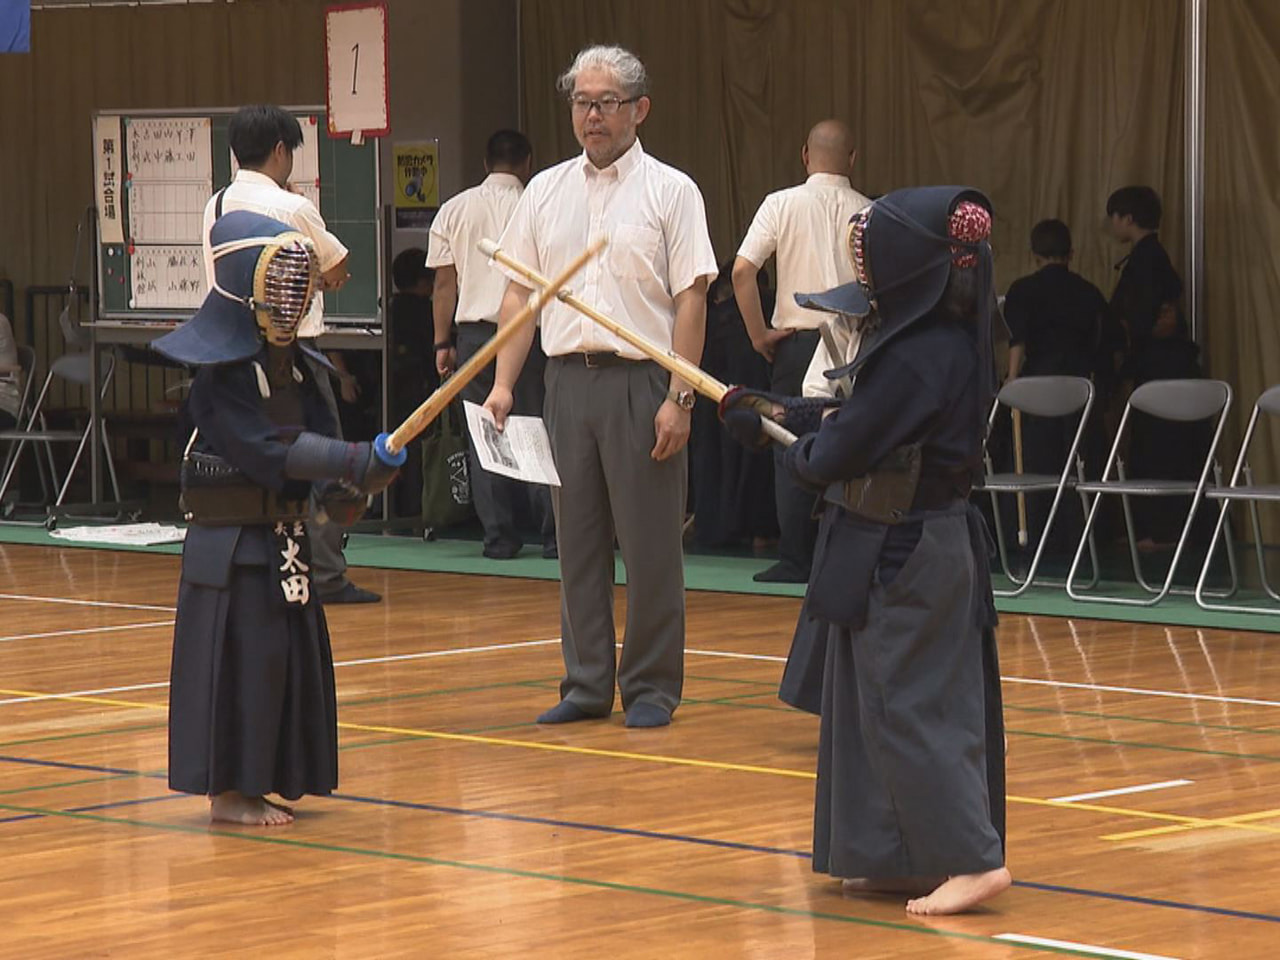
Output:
(594, 360)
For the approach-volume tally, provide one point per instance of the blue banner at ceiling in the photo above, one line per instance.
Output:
(15, 26)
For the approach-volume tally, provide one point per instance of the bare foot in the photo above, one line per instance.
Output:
(279, 806)
(233, 807)
(897, 885)
(962, 893)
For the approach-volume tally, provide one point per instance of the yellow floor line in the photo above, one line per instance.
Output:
(1236, 821)
(1181, 821)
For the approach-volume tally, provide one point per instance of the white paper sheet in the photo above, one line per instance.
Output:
(521, 451)
(127, 534)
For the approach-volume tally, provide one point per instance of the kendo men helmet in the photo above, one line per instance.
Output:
(266, 276)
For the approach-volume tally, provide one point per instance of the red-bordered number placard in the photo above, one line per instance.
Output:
(356, 70)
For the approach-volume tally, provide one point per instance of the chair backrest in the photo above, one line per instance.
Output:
(73, 335)
(1184, 400)
(75, 368)
(1047, 396)
(1269, 402)
(26, 360)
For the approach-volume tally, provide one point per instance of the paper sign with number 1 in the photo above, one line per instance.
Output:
(356, 64)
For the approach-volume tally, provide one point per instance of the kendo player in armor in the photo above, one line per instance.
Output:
(252, 705)
(910, 794)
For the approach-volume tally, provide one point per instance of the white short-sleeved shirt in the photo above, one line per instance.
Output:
(805, 226)
(481, 213)
(10, 395)
(258, 193)
(847, 338)
(656, 224)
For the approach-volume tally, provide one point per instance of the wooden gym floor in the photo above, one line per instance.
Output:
(463, 830)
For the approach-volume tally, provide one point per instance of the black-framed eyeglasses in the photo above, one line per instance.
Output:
(607, 106)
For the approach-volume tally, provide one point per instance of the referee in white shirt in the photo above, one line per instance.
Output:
(468, 290)
(618, 423)
(797, 225)
(263, 139)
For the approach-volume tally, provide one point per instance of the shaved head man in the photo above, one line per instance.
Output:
(799, 226)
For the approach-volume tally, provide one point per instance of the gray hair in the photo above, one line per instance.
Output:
(623, 64)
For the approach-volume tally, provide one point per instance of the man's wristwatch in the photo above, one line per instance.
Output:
(682, 399)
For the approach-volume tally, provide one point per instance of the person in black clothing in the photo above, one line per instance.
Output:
(732, 488)
(1147, 305)
(910, 792)
(1055, 319)
(1054, 315)
(411, 365)
(252, 707)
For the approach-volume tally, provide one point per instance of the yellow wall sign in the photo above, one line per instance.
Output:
(417, 183)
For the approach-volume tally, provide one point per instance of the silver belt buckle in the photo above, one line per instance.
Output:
(589, 359)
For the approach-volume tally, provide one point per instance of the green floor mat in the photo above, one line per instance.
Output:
(722, 574)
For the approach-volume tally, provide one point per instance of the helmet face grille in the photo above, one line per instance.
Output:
(857, 249)
(286, 288)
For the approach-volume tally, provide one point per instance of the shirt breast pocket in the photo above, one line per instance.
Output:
(633, 251)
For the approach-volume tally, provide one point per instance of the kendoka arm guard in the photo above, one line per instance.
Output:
(369, 467)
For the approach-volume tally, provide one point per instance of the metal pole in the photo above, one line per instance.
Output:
(1194, 200)
(95, 375)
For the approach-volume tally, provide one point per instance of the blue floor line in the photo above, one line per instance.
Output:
(98, 806)
(654, 835)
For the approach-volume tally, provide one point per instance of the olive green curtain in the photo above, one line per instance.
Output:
(1242, 212)
(1047, 105)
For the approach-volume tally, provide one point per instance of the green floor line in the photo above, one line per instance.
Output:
(720, 574)
(421, 694)
(85, 733)
(70, 783)
(498, 726)
(756, 683)
(1262, 757)
(491, 870)
(376, 743)
(1265, 731)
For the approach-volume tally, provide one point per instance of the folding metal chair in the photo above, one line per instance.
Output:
(1184, 401)
(74, 368)
(1039, 397)
(1251, 493)
(27, 361)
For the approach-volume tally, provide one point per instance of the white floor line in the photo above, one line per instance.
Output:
(86, 693)
(342, 663)
(1140, 691)
(737, 656)
(1141, 788)
(86, 630)
(88, 603)
(1044, 683)
(448, 653)
(1081, 947)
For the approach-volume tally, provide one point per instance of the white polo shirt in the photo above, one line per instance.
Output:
(847, 339)
(805, 226)
(481, 213)
(258, 193)
(656, 224)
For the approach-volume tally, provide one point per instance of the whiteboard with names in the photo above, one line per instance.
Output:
(170, 148)
(166, 277)
(170, 177)
(154, 176)
(161, 212)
